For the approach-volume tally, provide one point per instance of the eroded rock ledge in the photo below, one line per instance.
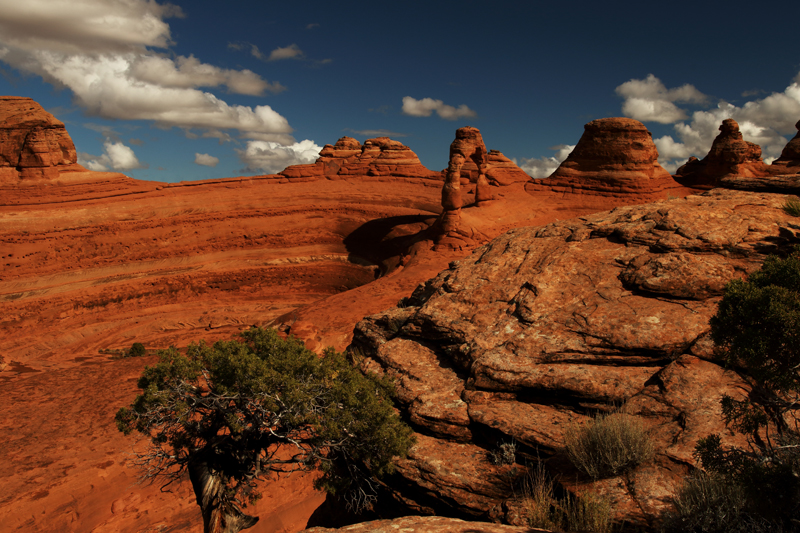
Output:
(545, 326)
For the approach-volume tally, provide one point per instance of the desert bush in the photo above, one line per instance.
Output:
(706, 503)
(137, 349)
(608, 445)
(792, 207)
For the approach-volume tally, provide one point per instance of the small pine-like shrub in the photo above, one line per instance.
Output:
(608, 445)
(792, 207)
(137, 350)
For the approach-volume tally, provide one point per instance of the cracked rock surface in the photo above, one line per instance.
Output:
(546, 326)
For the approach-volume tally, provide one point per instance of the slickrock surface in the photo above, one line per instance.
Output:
(425, 524)
(546, 325)
(614, 157)
(789, 161)
(94, 266)
(33, 143)
(377, 157)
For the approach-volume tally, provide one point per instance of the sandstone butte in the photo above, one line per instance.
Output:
(575, 308)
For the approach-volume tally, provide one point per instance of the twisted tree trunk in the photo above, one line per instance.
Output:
(218, 517)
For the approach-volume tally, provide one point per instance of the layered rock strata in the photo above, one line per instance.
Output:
(33, 143)
(730, 155)
(545, 326)
(380, 156)
(614, 156)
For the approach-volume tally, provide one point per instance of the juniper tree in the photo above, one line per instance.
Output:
(757, 332)
(227, 413)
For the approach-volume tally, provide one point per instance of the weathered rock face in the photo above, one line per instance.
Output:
(789, 161)
(377, 157)
(33, 143)
(730, 155)
(614, 156)
(545, 326)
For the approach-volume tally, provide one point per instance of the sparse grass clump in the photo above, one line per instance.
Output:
(609, 445)
(589, 513)
(792, 207)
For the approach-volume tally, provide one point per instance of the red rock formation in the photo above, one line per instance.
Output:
(545, 325)
(614, 157)
(33, 143)
(503, 171)
(730, 155)
(789, 161)
(377, 157)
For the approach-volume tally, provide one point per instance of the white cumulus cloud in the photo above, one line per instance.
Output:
(763, 121)
(426, 106)
(206, 160)
(542, 167)
(649, 100)
(272, 157)
(116, 156)
(101, 51)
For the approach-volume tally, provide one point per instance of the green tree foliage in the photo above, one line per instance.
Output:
(757, 331)
(226, 413)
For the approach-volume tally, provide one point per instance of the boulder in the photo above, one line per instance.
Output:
(614, 157)
(33, 143)
(545, 326)
(789, 161)
(380, 156)
(730, 155)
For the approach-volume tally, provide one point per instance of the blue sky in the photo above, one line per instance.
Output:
(164, 91)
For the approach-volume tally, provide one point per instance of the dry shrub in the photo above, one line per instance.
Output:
(608, 445)
(709, 503)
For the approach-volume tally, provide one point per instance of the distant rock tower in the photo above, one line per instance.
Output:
(730, 155)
